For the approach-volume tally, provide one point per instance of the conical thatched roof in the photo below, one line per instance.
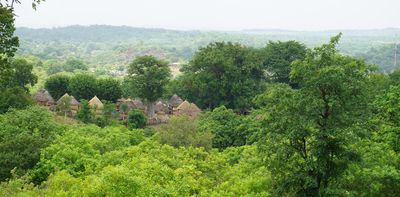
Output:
(96, 103)
(138, 104)
(184, 105)
(73, 101)
(175, 101)
(189, 109)
(44, 96)
(161, 107)
(194, 107)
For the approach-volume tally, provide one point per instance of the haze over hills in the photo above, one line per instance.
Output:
(103, 46)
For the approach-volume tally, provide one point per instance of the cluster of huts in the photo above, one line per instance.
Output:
(175, 106)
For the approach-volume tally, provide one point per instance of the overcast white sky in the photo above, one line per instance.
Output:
(215, 14)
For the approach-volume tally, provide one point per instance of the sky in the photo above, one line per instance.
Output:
(226, 15)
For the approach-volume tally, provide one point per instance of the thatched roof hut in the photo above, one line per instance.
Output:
(74, 104)
(189, 109)
(43, 97)
(96, 103)
(138, 104)
(161, 107)
(73, 101)
(175, 101)
(131, 104)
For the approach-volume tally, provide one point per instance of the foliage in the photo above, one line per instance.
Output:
(308, 131)
(108, 89)
(78, 151)
(331, 129)
(72, 65)
(85, 114)
(86, 86)
(395, 77)
(184, 132)
(224, 124)
(149, 76)
(14, 98)
(21, 75)
(57, 85)
(223, 74)
(384, 56)
(8, 42)
(278, 56)
(108, 49)
(53, 66)
(64, 105)
(128, 89)
(123, 108)
(23, 134)
(10, 3)
(152, 169)
(109, 115)
(83, 86)
(377, 174)
(136, 119)
(15, 74)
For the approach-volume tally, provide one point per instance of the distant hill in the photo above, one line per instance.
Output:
(105, 47)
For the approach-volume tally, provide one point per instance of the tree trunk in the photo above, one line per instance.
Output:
(150, 109)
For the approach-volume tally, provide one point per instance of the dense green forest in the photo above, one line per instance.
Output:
(105, 47)
(262, 115)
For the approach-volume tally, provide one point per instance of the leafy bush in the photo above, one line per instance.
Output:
(183, 131)
(224, 124)
(136, 119)
(78, 150)
(152, 169)
(14, 98)
(23, 134)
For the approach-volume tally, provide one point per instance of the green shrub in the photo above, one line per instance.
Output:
(136, 119)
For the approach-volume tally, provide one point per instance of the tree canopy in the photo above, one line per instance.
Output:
(149, 76)
(223, 74)
(277, 58)
(83, 86)
(313, 126)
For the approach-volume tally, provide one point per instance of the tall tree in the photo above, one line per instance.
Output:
(8, 42)
(309, 131)
(22, 75)
(223, 74)
(278, 56)
(149, 76)
(13, 78)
